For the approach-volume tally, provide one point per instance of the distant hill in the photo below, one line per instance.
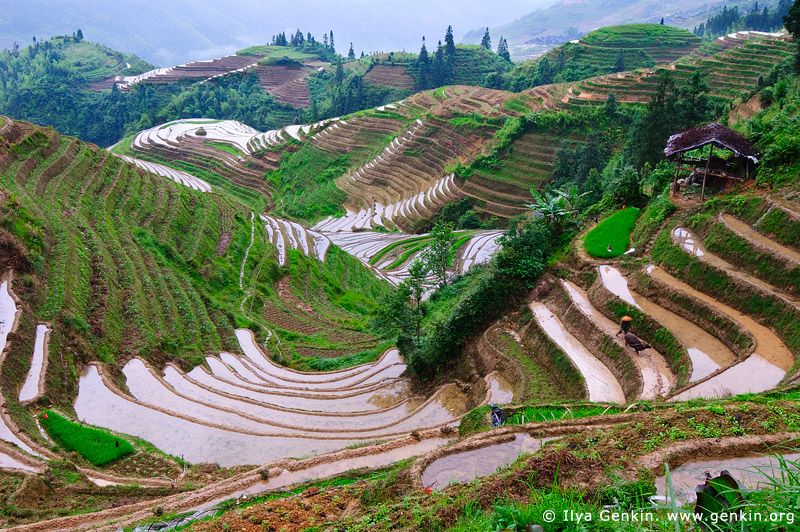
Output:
(179, 31)
(537, 32)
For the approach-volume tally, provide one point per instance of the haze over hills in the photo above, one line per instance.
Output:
(301, 290)
(169, 33)
(532, 34)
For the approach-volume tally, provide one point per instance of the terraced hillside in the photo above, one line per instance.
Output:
(612, 49)
(715, 302)
(730, 65)
(139, 279)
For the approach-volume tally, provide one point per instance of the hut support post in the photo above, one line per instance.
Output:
(675, 177)
(705, 175)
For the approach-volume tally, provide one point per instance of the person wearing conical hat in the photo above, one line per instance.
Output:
(625, 325)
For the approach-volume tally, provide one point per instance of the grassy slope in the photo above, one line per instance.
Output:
(133, 264)
(615, 231)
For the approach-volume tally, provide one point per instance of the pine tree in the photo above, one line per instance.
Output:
(449, 43)
(423, 66)
(486, 42)
(351, 55)
(339, 73)
(325, 40)
(333, 48)
(438, 67)
(662, 21)
(502, 49)
(80, 35)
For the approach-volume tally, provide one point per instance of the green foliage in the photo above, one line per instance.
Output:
(614, 231)
(95, 445)
(603, 51)
(653, 216)
(437, 254)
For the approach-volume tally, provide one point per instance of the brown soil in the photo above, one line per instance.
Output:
(310, 509)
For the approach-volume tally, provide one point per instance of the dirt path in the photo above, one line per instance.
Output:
(657, 376)
(602, 384)
(761, 371)
(708, 354)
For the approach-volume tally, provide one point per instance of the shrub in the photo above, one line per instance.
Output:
(97, 446)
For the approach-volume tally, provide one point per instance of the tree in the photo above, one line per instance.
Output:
(792, 24)
(694, 105)
(662, 19)
(652, 127)
(332, 47)
(502, 49)
(437, 255)
(556, 207)
(619, 65)
(325, 40)
(351, 55)
(449, 44)
(339, 72)
(423, 66)
(611, 106)
(438, 68)
(486, 42)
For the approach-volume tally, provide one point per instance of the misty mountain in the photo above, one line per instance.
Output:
(174, 32)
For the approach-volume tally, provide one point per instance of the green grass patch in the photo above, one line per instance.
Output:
(390, 247)
(615, 231)
(535, 414)
(95, 445)
(226, 147)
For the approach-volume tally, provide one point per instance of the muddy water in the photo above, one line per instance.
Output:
(708, 354)
(682, 236)
(262, 410)
(747, 232)
(98, 405)
(602, 384)
(769, 347)
(729, 382)
(448, 404)
(288, 478)
(362, 402)
(469, 465)
(30, 388)
(501, 392)
(8, 462)
(752, 472)
(8, 312)
(253, 353)
(657, 376)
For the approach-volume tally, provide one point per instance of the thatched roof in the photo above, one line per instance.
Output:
(716, 134)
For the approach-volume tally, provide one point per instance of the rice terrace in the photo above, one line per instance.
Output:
(294, 286)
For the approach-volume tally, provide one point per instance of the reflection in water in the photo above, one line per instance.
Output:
(501, 393)
(602, 384)
(9, 462)
(98, 405)
(469, 465)
(30, 388)
(707, 353)
(288, 478)
(657, 376)
(751, 472)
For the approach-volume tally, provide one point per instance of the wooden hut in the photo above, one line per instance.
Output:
(712, 170)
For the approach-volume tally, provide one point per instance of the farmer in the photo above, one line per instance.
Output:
(624, 325)
(609, 248)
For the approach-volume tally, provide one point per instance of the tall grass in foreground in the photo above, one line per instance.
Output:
(97, 446)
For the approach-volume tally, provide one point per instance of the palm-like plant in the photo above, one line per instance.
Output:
(556, 207)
